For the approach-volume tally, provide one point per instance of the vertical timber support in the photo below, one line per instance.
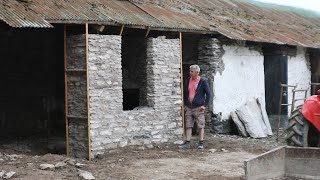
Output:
(77, 94)
(182, 87)
(65, 89)
(88, 106)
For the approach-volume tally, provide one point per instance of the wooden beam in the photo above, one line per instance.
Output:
(88, 100)
(182, 87)
(121, 31)
(147, 33)
(99, 28)
(66, 88)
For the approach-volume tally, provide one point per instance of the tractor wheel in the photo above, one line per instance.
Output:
(300, 132)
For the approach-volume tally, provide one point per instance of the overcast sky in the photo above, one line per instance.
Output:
(306, 4)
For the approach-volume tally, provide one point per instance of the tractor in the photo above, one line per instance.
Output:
(304, 123)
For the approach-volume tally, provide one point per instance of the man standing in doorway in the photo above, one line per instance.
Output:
(197, 96)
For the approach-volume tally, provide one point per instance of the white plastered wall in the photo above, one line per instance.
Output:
(242, 78)
(298, 74)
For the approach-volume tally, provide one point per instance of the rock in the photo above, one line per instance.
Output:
(70, 161)
(250, 115)
(265, 116)
(149, 146)
(46, 166)
(178, 142)
(79, 165)
(60, 164)
(8, 175)
(86, 175)
(239, 124)
(2, 172)
(30, 164)
(212, 150)
(14, 157)
(99, 156)
(224, 150)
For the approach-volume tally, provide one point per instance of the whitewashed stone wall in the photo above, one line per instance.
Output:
(242, 78)
(160, 122)
(298, 74)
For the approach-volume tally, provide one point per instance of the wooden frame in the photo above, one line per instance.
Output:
(66, 88)
(88, 99)
(182, 87)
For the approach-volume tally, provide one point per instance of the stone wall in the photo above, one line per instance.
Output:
(210, 62)
(77, 96)
(160, 122)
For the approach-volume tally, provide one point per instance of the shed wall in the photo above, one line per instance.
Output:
(299, 74)
(160, 122)
(242, 78)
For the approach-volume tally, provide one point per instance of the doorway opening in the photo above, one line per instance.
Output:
(32, 102)
(315, 69)
(275, 71)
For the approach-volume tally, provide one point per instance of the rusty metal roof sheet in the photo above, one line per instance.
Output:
(254, 21)
(118, 12)
(236, 19)
(17, 14)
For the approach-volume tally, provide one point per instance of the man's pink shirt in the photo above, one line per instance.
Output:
(193, 84)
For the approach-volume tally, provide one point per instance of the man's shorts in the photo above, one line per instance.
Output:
(194, 115)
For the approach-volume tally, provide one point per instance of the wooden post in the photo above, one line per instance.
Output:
(182, 87)
(88, 107)
(66, 88)
(121, 31)
(147, 33)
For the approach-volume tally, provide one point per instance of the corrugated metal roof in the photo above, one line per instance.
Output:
(17, 14)
(93, 11)
(254, 21)
(236, 19)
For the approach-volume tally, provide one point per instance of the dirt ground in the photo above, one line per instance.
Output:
(222, 158)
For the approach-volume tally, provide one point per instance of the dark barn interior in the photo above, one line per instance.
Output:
(32, 93)
(314, 56)
(134, 72)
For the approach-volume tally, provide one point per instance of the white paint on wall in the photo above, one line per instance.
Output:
(242, 79)
(298, 74)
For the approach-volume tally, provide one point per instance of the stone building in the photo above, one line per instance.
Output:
(108, 74)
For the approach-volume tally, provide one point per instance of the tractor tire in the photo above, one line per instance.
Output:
(300, 132)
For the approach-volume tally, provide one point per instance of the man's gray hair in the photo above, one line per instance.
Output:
(195, 67)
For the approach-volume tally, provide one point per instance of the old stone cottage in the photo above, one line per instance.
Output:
(107, 74)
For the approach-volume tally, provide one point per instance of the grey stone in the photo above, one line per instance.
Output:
(8, 175)
(250, 115)
(85, 175)
(46, 166)
(2, 173)
(239, 124)
(79, 165)
(60, 164)
(264, 116)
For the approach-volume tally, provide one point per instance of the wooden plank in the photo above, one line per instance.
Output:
(182, 88)
(76, 117)
(121, 31)
(66, 89)
(88, 106)
(147, 33)
(76, 70)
